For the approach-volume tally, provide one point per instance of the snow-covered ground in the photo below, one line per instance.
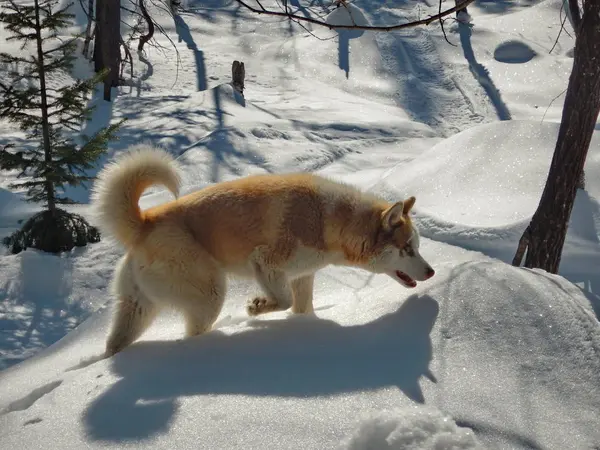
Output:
(484, 355)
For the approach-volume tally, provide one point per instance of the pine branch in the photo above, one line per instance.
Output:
(66, 47)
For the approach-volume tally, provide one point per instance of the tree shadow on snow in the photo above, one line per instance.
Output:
(45, 315)
(294, 357)
(583, 268)
(185, 35)
(344, 37)
(504, 6)
(481, 74)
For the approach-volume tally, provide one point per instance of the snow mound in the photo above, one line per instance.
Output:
(348, 15)
(417, 428)
(487, 175)
(510, 353)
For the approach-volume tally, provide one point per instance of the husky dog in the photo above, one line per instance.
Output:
(278, 229)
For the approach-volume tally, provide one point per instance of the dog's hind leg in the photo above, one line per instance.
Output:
(198, 293)
(134, 312)
(276, 286)
(303, 294)
(201, 305)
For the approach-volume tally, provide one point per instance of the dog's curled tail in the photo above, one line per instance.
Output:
(120, 184)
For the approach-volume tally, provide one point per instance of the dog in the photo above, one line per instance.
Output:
(276, 228)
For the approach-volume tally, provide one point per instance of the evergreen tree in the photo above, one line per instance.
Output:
(51, 115)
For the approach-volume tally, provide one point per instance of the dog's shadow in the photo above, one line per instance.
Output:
(293, 357)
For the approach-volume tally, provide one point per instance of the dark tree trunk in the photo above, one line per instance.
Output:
(146, 37)
(545, 236)
(107, 42)
(44, 106)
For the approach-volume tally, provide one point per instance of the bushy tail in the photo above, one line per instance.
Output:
(120, 185)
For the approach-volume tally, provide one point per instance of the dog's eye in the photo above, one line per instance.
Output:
(407, 250)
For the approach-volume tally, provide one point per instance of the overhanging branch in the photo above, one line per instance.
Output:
(322, 23)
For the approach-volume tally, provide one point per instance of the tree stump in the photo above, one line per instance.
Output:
(238, 73)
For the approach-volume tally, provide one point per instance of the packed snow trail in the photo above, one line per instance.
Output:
(428, 88)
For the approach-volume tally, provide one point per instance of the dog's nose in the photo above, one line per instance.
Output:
(429, 273)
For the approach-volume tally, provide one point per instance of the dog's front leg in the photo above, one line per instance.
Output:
(276, 286)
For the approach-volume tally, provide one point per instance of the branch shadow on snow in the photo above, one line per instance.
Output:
(481, 74)
(296, 357)
(219, 142)
(45, 315)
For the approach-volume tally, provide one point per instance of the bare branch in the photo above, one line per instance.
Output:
(552, 101)
(442, 25)
(322, 23)
(562, 28)
(124, 60)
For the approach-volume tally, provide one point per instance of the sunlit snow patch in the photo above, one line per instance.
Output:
(417, 428)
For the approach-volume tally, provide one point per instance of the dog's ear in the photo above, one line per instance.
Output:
(392, 216)
(408, 204)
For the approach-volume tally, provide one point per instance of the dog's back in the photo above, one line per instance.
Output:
(276, 213)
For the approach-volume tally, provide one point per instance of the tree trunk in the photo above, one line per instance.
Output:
(545, 236)
(146, 37)
(88, 29)
(44, 101)
(107, 42)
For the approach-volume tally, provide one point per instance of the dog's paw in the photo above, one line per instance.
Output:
(260, 305)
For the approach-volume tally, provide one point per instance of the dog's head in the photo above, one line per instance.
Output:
(398, 246)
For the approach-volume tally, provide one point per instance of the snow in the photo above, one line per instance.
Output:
(483, 355)
(490, 175)
(415, 428)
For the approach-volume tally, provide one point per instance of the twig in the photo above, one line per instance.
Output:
(442, 25)
(552, 101)
(562, 27)
(401, 26)
(161, 5)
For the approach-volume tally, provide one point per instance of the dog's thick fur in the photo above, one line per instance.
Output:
(279, 229)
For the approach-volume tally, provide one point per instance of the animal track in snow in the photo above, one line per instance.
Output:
(33, 421)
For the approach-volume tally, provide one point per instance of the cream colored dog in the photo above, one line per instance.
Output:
(279, 229)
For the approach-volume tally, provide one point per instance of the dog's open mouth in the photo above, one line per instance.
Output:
(406, 280)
